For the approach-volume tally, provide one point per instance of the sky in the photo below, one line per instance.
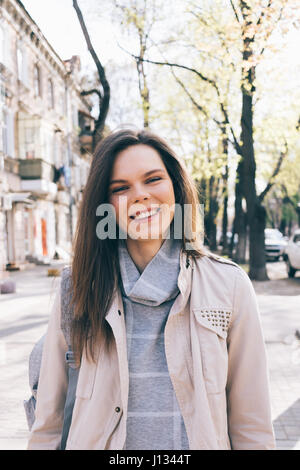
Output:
(58, 22)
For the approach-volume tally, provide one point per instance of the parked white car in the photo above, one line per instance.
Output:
(292, 254)
(275, 244)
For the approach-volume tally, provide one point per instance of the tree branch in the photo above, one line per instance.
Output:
(234, 11)
(194, 102)
(205, 79)
(169, 64)
(271, 30)
(274, 174)
(90, 92)
(105, 98)
(287, 198)
(263, 12)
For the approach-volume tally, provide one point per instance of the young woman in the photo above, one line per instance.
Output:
(166, 335)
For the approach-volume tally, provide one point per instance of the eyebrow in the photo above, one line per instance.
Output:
(148, 173)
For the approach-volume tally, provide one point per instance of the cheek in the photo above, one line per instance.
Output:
(172, 194)
(120, 206)
(166, 197)
(166, 193)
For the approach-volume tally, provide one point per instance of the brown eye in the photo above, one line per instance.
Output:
(155, 178)
(117, 190)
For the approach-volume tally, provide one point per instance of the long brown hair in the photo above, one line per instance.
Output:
(95, 268)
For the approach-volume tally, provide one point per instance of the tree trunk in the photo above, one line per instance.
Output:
(225, 195)
(213, 209)
(144, 90)
(257, 262)
(239, 227)
(206, 197)
(225, 225)
(298, 213)
(256, 214)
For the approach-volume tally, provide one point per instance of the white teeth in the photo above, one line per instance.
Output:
(142, 215)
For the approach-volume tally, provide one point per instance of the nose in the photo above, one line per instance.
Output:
(141, 199)
(140, 195)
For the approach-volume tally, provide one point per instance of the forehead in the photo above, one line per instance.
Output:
(137, 159)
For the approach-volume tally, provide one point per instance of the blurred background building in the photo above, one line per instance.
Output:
(45, 143)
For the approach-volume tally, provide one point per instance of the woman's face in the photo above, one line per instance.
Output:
(142, 193)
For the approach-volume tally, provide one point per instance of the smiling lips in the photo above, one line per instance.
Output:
(144, 214)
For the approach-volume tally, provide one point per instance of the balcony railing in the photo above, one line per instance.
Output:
(36, 169)
(37, 177)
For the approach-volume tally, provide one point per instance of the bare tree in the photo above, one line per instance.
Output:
(139, 17)
(246, 173)
(104, 92)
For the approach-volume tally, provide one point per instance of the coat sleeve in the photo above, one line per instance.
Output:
(52, 388)
(248, 399)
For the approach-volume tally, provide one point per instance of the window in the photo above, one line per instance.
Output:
(8, 133)
(37, 81)
(50, 93)
(20, 61)
(75, 116)
(29, 133)
(49, 147)
(22, 65)
(5, 46)
(4, 143)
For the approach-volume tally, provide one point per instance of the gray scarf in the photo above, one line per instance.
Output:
(158, 282)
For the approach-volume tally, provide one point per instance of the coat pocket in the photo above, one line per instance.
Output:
(212, 326)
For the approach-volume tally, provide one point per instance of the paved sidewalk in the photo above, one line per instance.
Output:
(24, 316)
(279, 303)
(23, 320)
(285, 395)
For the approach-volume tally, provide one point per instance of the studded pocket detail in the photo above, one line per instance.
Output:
(216, 319)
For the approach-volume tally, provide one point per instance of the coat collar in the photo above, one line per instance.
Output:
(116, 309)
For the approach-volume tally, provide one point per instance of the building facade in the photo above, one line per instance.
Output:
(45, 143)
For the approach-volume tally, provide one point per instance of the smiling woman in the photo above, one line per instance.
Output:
(134, 172)
(166, 336)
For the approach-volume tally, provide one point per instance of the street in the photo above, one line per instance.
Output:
(24, 316)
(23, 320)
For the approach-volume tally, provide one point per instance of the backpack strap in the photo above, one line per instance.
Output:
(67, 311)
(69, 404)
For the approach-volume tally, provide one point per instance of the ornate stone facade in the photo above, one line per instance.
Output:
(45, 127)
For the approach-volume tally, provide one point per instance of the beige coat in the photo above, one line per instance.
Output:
(216, 359)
